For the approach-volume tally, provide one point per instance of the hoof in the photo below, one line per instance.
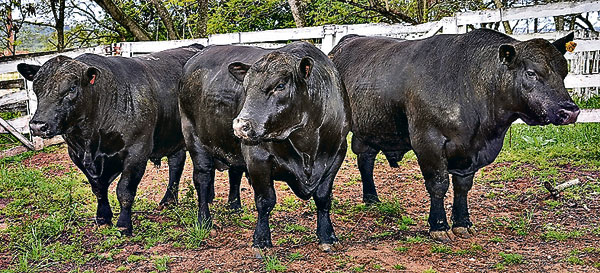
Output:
(371, 200)
(463, 232)
(102, 222)
(329, 248)
(442, 236)
(125, 231)
(259, 253)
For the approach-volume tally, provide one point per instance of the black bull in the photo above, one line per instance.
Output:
(292, 114)
(115, 114)
(450, 99)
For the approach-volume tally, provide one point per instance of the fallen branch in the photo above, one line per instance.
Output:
(555, 191)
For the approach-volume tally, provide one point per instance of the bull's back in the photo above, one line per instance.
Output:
(211, 97)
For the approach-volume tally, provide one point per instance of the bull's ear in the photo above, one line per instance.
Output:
(306, 65)
(563, 44)
(91, 75)
(507, 54)
(28, 71)
(238, 70)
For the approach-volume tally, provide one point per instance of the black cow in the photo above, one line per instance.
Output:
(294, 122)
(115, 114)
(209, 100)
(450, 99)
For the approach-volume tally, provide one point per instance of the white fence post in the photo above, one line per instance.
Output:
(328, 41)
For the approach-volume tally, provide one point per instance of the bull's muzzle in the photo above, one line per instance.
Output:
(568, 113)
(243, 129)
(38, 128)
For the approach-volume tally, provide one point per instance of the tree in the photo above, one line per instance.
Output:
(298, 8)
(123, 19)
(11, 24)
(164, 15)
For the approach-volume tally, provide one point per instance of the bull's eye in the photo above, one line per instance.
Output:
(531, 74)
(280, 87)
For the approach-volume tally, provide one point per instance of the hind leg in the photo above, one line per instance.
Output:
(366, 162)
(235, 179)
(176, 164)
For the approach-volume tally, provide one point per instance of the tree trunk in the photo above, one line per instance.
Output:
(59, 23)
(203, 10)
(118, 15)
(507, 28)
(165, 17)
(422, 11)
(10, 33)
(298, 11)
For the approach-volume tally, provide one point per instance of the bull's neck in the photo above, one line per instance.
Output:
(103, 107)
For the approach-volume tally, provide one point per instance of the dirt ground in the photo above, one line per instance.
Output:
(375, 242)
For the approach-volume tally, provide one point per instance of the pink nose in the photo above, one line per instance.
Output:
(242, 128)
(568, 116)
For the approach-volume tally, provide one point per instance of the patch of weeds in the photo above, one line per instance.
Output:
(295, 256)
(557, 233)
(377, 267)
(399, 267)
(359, 268)
(294, 228)
(596, 231)
(196, 233)
(162, 263)
(404, 222)
(430, 270)
(382, 234)
(391, 207)
(401, 249)
(522, 225)
(416, 239)
(509, 259)
(575, 260)
(122, 268)
(438, 248)
(135, 258)
(497, 239)
(288, 203)
(272, 263)
(552, 203)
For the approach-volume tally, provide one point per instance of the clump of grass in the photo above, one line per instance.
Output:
(437, 248)
(162, 263)
(272, 263)
(557, 233)
(197, 233)
(509, 259)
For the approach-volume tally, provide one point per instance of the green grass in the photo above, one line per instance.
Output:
(509, 259)
(591, 103)
(558, 233)
(272, 263)
(399, 267)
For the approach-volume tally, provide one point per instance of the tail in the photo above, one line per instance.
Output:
(341, 43)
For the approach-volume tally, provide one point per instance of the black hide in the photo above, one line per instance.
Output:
(115, 114)
(294, 122)
(451, 99)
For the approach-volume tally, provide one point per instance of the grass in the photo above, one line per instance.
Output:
(272, 263)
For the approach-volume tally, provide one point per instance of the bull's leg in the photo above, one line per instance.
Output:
(176, 164)
(126, 190)
(235, 179)
(322, 198)
(203, 176)
(366, 162)
(99, 186)
(461, 224)
(264, 197)
(429, 150)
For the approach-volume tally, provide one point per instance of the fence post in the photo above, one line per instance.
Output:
(328, 41)
(449, 25)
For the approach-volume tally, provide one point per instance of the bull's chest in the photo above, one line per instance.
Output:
(467, 157)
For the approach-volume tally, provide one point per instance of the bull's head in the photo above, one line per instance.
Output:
(58, 85)
(276, 87)
(535, 71)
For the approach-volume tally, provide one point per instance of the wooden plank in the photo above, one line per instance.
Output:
(21, 124)
(586, 116)
(537, 11)
(12, 84)
(11, 66)
(15, 133)
(13, 98)
(578, 81)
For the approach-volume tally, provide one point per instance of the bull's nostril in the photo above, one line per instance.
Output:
(245, 127)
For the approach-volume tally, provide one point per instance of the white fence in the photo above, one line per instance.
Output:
(584, 62)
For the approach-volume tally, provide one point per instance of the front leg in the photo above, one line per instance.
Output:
(461, 224)
(133, 171)
(176, 164)
(259, 174)
(322, 198)
(428, 147)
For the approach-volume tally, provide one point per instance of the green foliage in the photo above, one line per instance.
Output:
(509, 259)
(399, 267)
(272, 263)
(244, 15)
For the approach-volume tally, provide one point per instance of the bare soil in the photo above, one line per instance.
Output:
(369, 239)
